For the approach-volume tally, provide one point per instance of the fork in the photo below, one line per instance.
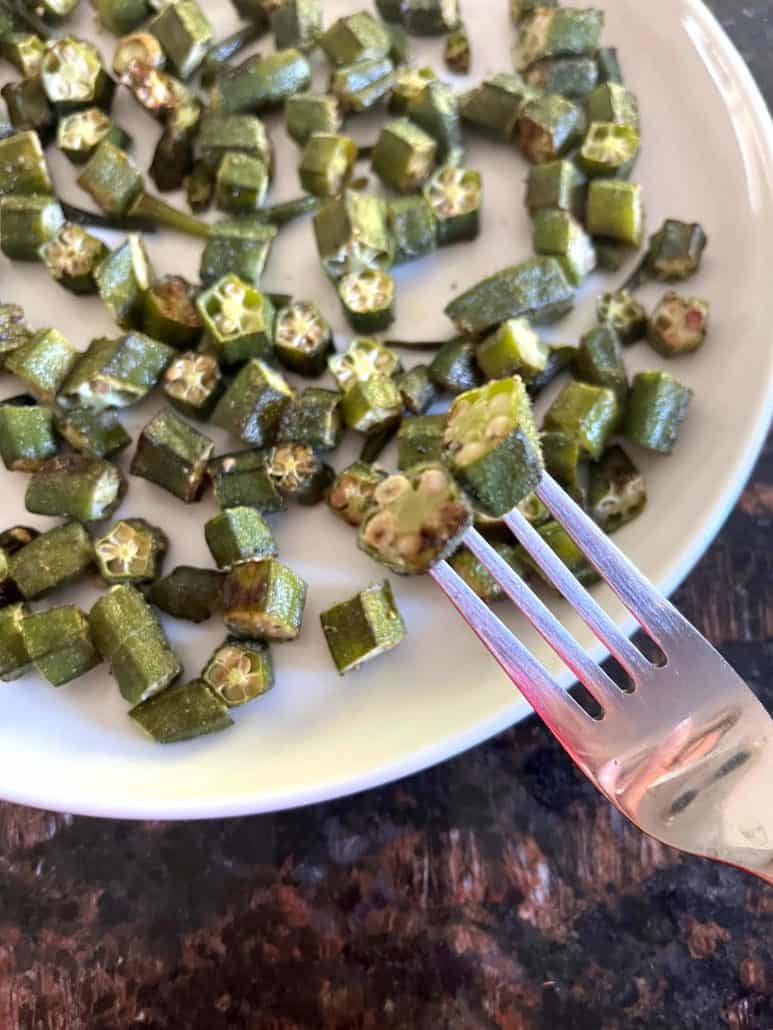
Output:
(687, 753)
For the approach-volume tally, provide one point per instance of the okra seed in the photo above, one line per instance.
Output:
(381, 531)
(470, 453)
(392, 488)
(498, 428)
(433, 482)
(410, 545)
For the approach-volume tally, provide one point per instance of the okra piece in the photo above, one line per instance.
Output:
(611, 256)
(76, 487)
(327, 164)
(413, 228)
(193, 384)
(363, 359)
(183, 712)
(298, 473)
(590, 414)
(313, 418)
(404, 156)
(137, 48)
(24, 50)
(112, 179)
(416, 389)
(264, 600)
(419, 518)
(261, 83)
(169, 312)
(12, 540)
(357, 37)
(14, 330)
(72, 258)
(368, 300)
(79, 134)
(188, 593)
(132, 551)
(73, 75)
(116, 373)
(430, 17)
(173, 157)
(436, 111)
(477, 577)
(220, 54)
(297, 23)
(455, 196)
(239, 320)
(657, 408)
(27, 438)
(537, 289)
(548, 127)
(514, 348)
(559, 541)
(675, 252)
(59, 644)
(599, 361)
(302, 339)
(557, 184)
(458, 52)
(372, 406)
(612, 102)
(560, 358)
(43, 363)
(609, 150)
(495, 105)
(420, 440)
(289, 210)
(258, 11)
(239, 671)
(558, 32)
(53, 560)
(362, 85)
(362, 628)
(608, 62)
(14, 660)
(390, 10)
(616, 209)
(492, 445)
(560, 234)
(563, 456)
(9, 592)
(454, 368)
(185, 34)
(409, 82)
(309, 113)
(238, 247)
(123, 278)
(158, 92)
(624, 314)
(572, 77)
(23, 168)
(677, 326)
(26, 224)
(121, 16)
(351, 495)
(28, 107)
(237, 535)
(352, 235)
(127, 634)
(173, 455)
(242, 480)
(375, 444)
(241, 184)
(95, 434)
(253, 404)
(617, 492)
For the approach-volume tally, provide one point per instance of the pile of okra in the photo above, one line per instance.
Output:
(220, 351)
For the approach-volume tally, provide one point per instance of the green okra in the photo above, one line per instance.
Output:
(73, 76)
(560, 357)
(612, 102)
(238, 535)
(514, 348)
(28, 107)
(116, 373)
(12, 540)
(356, 37)
(128, 635)
(657, 408)
(559, 541)
(24, 50)
(599, 361)
(608, 61)
(27, 437)
(183, 712)
(313, 418)
(242, 480)
(561, 235)
(302, 338)
(400, 48)
(413, 228)
(352, 235)
(173, 455)
(239, 320)
(455, 196)
(572, 77)
(563, 457)
(476, 575)
(351, 495)
(419, 518)
(420, 440)
(557, 185)
(258, 11)
(121, 16)
(404, 155)
(52, 560)
(616, 210)
(223, 134)
(297, 23)
(609, 150)
(495, 105)
(239, 671)
(362, 85)
(375, 444)
(298, 474)
(454, 368)
(193, 384)
(132, 551)
(548, 127)
(239, 247)
(436, 111)
(676, 250)
(408, 83)
(457, 52)
(169, 312)
(123, 278)
(261, 83)
(368, 300)
(309, 113)
(537, 289)
(185, 33)
(390, 10)
(362, 628)
(136, 48)
(95, 434)
(9, 592)
(372, 405)
(430, 17)
(23, 168)
(73, 486)
(173, 158)
(416, 389)
(289, 210)
(264, 600)
(241, 184)
(44, 363)
(79, 134)
(677, 326)
(558, 32)
(26, 224)
(59, 644)
(617, 492)
(253, 404)
(363, 359)
(611, 256)
(72, 258)
(188, 593)
(14, 660)
(590, 414)
(327, 164)
(14, 330)
(624, 314)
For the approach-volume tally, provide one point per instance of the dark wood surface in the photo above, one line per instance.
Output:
(495, 891)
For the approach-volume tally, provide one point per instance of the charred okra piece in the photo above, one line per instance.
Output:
(436, 111)
(309, 113)
(185, 34)
(137, 50)
(357, 37)
(132, 551)
(368, 300)
(413, 228)
(73, 75)
(264, 600)
(352, 234)
(173, 455)
(173, 157)
(616, 210)
(609, 150)
(420, 440)
(253, 404)
(242, 480)
(599, 360)
(302, 339)
(51, 561)
(657, 407)
(560, 234)
(121, 16)
(624, 314)
(558, 32)
(313, 418)
(27, 437)
(237, 535)
(362, 85)
(193, 384)
(79, 134)
(95, 434)
(116, 373)
(492, 445)
(495, 105)
(76, 487)
(419, 518)
(454, 196)
(351, 495)
(239, 671)
(23, 168)
(409, 82)
(612, 102)
(617, 492)
(677, 326)
(241, 184)
(238, 247)
(223, 134)
(477, 577)
(183, 712)
(373, 405)
(297, 473)
(43, 363)
(14, 660)
(675, 252)
(129, 637)
(557, 184)
(537, 289)
(327, 164)
(261, 83)
(12, 540)
(59, 644)
(563, 456)
(430, 17)
(571, 77)
(26, 224)
(239, 320)
(416, 389)
(590, 414)
(169, 312)
(559, 541)
(514, 348)
(363, 628)
(454, 368)
(9, 592)
(548, 127)
(123, 278)
(24, 50)
(458, 53)
(188, 593)
(363, 359)
(72, 258)
(14, 330)
(297, 23)
(404, 156)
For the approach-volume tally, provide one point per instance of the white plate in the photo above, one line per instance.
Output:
(708, 156)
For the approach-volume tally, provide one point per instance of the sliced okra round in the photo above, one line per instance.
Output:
(476, 575)
(194, 383)
(14, 330)
(73, 75)
(72, 258)
(264, 600)
(154, 89)
(552, 31)
(624, 313)
(137, 48)
(351, 495)
(173, 158)
(12, 540)
(169, 312)
(28, 107)
(238, 318)
(239, 671)
(351, 233)
(80, 133)
(297, 23)
(372, 406)
(557, 184)
(494, 106)
(261, 82)
(237, 246)
(612, 102)
(123, 278)
(678, 325)
(297, 473)
(559, 541)
(676, 250)
(363, 628)
(430, 17)
(23, 168)
(360, 86)
(59, 644)
(409, 82)
(97, 434)
(455, 196)
(52, 560)
(572, 77)
(617, 492)
(560, 234)
(302, 338)
(77, 487)
(356, 37)
(609, 150)
(436, 111)
(132, 551)
(404, 155)
(14, 660)
(368, 300)
(313, 417)
(363, 359)
(413, 227)
(564, 461)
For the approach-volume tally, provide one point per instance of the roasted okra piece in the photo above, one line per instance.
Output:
(261, 83)
(677, 326)
(183, 712)
(409, 81)
(514, 348)
(557, 184)
(351, 495)
(362, 85)
(560, 234)
(657, 407)
(617, 492)
(458, 51)
(590, 414)
(363, 359)
(436, 111)
(495, 105)
(26, 224)
(558, 32)
(609, 150)
(298, 474)
(416, 389)
(563, 457)
(599, 360)
(253, 404)
(608, 61)
(454, 368)
(363, 628)
(616, 210)
(12, 540)
(14, 330)
(572, 77)
(476, 575)
(129, 637)
(239, 671)
(368, 300)
(420, 440)
(169, 312)
(302, 339)
(624, 314)
(80, 133)
(136, 48)
(72, 258)
(404, 155)
(313, 418)
(372, 405)
(121, 16)
(116, 373)
(356, 37)
(559, 541)
(419, 518)
(43, 363)
(222, 134)
(173, 455)
(59, 644)
(537, 289)
(193, 384)
(53, 560)
(239, 320)
(184, 32)
(28, 107)
(548, 127)
(612, 102)
(241, 184)
(242, 479)
(675, 251)
(123, 278)
(454, 196)
(238, 535)
(327, 164)
(390, 10)
(27, 437)
(413, 227)
(132, 551)
(264, 600)
(173, 158)
(239, 247)
(430, 17)
(297, 23)
(14, 660)
(352, 234)
(95, 434)
(188, 593)
(73, 75)
(23, 168)
(492, 445)
(76, 487)
(24, 50)
(309, 113)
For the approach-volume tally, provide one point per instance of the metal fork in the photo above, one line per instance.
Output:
(687, 753)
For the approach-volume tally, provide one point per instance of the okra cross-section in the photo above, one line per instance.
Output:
(59, 644)
(307, 113)
(360, 86)
(242, 479)
(362, 628)
(116, 373)
(492, 444)
(363, 359)
(79, 134)
(547, 127)
(169, 312)
(302, 338)
(264, 600)
(189, 593)
(298, 473)
(417, 390)
(657, 407)
(52, 560)
(676, 250)
(313, 417)
(77, 487)
(253, 404)
(436, 111)
(454, 196)
(27, 437)
(587, 413)
(240, 671)
(454, 368)
(73, 75)
(193, 383)
(678, 325)
(72, 258)
(409, 81)
(43, 363)
(173, 455)
(352, 234)
(413, 228)
(351, 495)
(557, 184)
(238, 535)
(239, 320)
(368, 299)
(132, 551)
(609, 150)
(572, 77)
(183, 712)
(372, 405)
(617, 492)
(297, 23)
(624, 314)
(112, 179)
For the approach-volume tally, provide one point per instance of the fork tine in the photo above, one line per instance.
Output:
(567, 720)
(605, 691)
